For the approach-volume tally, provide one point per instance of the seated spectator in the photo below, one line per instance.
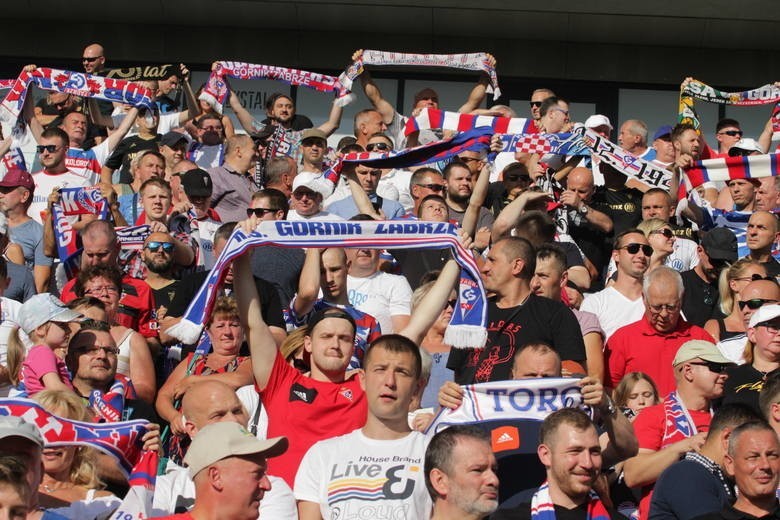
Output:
(145, 165)
(730, 282)
(134, 360)
(635, 392)
(754, 295)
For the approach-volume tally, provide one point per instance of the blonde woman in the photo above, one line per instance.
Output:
(730, 284)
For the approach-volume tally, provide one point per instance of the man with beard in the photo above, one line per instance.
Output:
(460, 185)
(461, 473)
(158, 257)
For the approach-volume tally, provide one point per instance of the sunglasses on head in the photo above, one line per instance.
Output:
(259, 212)
(665, 232)
(433, 187)
(370, 147)
(51, 148)
(634, 249)
(167, 247)
(754, 303)
(732, 133)
(712, 366)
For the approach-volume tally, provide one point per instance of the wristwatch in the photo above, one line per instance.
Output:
(583, 209)
(610, 408)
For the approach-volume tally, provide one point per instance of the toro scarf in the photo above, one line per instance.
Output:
(467, 325)
(474, 61)
(216, 89)
(762, 95)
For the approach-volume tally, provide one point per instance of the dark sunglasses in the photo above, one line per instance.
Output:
(90, 60)
(378, 146)
(712, 366)
(167, 247)
(51, 148)
(732, 133)
(433, 187)
(753, 304)
(259, 212)
(535, 104)
(634, 249)
(516, 178)
(668, 233)
(755, 278)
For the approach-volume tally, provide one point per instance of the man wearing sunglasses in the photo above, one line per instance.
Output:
(701, 299)
(727, 134)
(668, 430)
(762, 358)
(424, 182)
(650, 344)
(308, 191)
(157, 255)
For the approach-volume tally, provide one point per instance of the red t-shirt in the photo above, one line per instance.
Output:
(178, 516)
(306, 411)
(136, 305)
(638, 347)
(649, 430)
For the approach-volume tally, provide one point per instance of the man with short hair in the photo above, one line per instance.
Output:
(173, 147)
(368, 179)
(668, 430)
(657, 203)
(368, 122)
(280, 173)
(701, 298)
(386, 447)
(208, 150)
(650, 344)
(325, 272)
(570, 451)
(762, 236)
(460, 185)
(423, 182)
(553, 115)
(753, 458)
(453, 455)
(229, 468)
(727, 134)
(768, 194)
(621, 303)
(632, 137)
(516, 317)
(157, 255)
(16, 194)
(662, 144)
(700, 474)
(210, 402)
(234, 180)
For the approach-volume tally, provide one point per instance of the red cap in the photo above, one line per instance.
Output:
(15, 178)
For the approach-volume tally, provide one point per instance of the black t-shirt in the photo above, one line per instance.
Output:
(700, 299)
(624, 207)
(270, 309)
(684, 231)
(744, 385)
(125, 152)
(164, 297)
(523, 512)
(772, 267)
(538, 319)
(299, 122)
(417, 262)
(281, 266)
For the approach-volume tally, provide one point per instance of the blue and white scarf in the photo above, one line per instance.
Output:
(467, 325)
(542, 507)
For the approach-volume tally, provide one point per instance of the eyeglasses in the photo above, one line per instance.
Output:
(433, 187)
(754, 278)
(259, 212)
(657, 309)
(753, 304)
(535, 104)
(90, 60)
(299, 194)
(51, 148)
(634, 249)
(110, 289)
(378, 146)
(516, 178)
(665, 232)
(468, 159)
(167, 247)
(308, 143)
(732, 133)
(717, 368)
(94, 349)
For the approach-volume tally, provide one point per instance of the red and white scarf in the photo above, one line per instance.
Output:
(216, 89)
(727, 168)
(474, 61)
(457, 122)
(762, 95)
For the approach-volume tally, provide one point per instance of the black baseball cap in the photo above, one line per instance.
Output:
(197, 183)
(172, 138)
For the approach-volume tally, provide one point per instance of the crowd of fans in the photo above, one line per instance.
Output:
(326, 366)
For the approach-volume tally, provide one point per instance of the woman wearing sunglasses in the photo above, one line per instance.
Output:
(762, 358)
(731, 325)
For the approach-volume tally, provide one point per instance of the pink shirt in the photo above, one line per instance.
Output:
(40, 361)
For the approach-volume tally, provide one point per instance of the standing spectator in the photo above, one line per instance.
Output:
(368, 179)
(460, 185)
(194, 217)
(233, 181)
(208, 150)
(762, 236)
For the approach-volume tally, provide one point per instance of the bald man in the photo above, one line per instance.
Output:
(754, 296)
(208, 402)
(762, 235)
(589, 226)
(93, 58)
(234, 181)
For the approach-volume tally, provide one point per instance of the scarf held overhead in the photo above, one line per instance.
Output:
(216, 89)
(474, 61)
(467, 325)
(727, 168)
(433, 118)
(76, 83)
(762, 95)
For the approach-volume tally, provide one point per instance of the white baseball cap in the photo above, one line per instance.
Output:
(44, 307)
(763, 314)
(598, 120)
